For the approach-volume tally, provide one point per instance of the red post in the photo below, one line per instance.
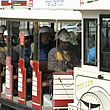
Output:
(22, 82)
(9, 79)
(36, 87)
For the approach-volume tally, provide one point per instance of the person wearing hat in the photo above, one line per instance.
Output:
(15, 61)
(3, 53)
(3, 49)
(46, 44)
(45, 34)
(62, 58)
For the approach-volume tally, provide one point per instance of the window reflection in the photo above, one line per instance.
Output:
(105, 44)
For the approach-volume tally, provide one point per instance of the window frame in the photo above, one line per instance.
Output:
(86, 31)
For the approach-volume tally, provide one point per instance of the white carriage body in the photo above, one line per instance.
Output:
(40, 10)
(87, 77)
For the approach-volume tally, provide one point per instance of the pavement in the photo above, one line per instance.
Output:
(47, 105)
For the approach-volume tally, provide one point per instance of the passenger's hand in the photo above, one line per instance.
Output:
(31, 63)
(2, 74)
(45, 84)
(29, 80)
(15, 77)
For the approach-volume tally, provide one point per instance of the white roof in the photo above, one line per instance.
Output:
(41, 14)
(99, 5)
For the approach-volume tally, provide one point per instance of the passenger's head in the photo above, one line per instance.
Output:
(5, 36)
(45, 34)
(64, 38)
(27, 39)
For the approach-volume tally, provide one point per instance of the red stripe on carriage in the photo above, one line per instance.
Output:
(61, 103)
(20, 4)
(82, 3)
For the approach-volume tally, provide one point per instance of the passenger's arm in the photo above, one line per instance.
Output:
(2, 56)
(52, 62)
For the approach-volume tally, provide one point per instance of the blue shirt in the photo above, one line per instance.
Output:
(92, 55)
(44, 49)
(27, 54)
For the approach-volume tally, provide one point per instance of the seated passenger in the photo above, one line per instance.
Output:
(46, 43)
(2, 48)
(62, 59)
(15, 61)
(45, 46)
(3, 53)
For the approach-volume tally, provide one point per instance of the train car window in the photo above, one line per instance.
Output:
(105, 43)
(90, 44)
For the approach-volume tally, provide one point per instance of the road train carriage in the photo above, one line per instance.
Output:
(19, 18)
(92, 79)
